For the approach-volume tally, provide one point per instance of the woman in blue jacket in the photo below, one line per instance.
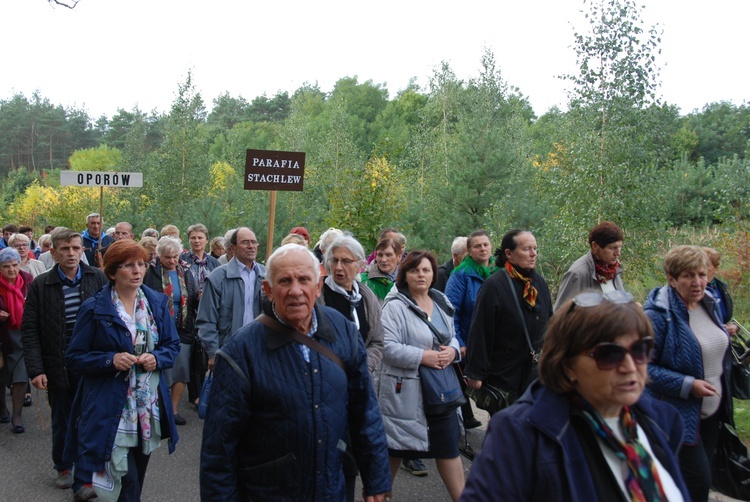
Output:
(585, 431)
(691, 365)
(123, 338)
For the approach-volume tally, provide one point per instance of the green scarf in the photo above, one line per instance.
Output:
(469, 263)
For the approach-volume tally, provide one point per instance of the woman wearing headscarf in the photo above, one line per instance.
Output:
(14, 285)
(123, 339)
(511, 303)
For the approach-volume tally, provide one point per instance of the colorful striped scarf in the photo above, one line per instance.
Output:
(643, 482)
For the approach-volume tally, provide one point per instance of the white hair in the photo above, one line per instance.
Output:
(459, 245)
(285, 250)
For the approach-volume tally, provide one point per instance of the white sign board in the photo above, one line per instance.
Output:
(101, 179)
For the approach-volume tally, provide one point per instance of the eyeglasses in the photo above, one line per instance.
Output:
(248, 243)
(132, 266)
(344, 261)
(609, 356)
(20, 246)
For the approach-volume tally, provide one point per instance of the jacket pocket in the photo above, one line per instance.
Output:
(400, 396)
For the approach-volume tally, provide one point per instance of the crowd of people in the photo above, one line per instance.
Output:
(320, 357)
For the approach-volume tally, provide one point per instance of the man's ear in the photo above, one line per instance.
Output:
(267, 288)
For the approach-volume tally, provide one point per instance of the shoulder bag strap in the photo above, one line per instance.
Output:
(298, 337)
(534, 355)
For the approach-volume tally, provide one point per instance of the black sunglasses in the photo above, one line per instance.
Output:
(609, 356)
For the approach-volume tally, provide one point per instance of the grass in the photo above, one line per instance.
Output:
(742, 419)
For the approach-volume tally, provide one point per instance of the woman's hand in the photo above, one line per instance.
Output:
(4, 316)
(474, 384)
(732, 328)
(439, 359)
(702, 389)
(123, 361)
(147, 361)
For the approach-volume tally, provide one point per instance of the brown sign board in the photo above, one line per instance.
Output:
(274, 170)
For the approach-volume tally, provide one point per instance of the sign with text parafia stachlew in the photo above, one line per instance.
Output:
(273, 170)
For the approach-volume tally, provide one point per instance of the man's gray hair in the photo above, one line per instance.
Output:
(285, 250)
(168, 244)
(95, 215)
(459, 245)
(150, 232)
(228, 237)
(345, 241)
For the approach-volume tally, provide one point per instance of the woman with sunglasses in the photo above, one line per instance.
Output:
(124, 338)
(691, 366)
(585, 430)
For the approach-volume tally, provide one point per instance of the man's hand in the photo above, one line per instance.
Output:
(732, 328)
(375, 498)
(40, 382)
(211, 363)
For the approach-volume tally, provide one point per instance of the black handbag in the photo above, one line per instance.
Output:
(740, 372)
(730, 471)
(490, 398)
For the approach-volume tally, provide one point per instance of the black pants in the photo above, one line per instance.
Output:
(695, 459)
(60, 403)
(132, 482)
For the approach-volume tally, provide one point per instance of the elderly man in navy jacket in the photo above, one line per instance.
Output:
(280, 410)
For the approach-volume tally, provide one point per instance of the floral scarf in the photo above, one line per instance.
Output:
(14, 300)
(604, 271)
(140, 423)
(529, 291)
(168, 288)
(199, 269)
(643, 482)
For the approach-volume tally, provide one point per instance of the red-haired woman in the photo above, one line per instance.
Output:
(124, 337)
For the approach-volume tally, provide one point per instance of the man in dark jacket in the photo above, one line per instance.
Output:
(94, 240)
(48, 320)
(458, 251)
(281, 413)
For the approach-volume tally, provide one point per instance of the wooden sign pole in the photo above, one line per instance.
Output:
(271, 221)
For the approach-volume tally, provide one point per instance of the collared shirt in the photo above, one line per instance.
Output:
(66, 281)
(248, 276)
(313, 329)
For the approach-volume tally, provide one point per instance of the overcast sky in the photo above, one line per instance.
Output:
(110, 54)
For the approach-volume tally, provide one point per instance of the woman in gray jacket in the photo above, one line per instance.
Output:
(409, 343)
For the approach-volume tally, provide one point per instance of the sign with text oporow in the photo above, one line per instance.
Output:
(101, 179)
(273, 170)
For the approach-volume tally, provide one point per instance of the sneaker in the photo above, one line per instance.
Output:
(178, 420)
(64, 480)
(85, 492)
(416, 467)
(472, 423)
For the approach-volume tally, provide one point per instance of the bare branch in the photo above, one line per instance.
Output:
(71, 4)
